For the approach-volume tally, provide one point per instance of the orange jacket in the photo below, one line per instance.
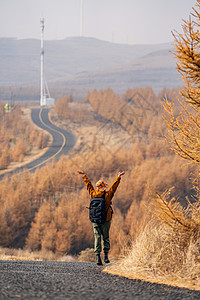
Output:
(108, 196)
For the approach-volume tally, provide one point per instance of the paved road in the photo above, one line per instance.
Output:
(69, 280)
(63, 140)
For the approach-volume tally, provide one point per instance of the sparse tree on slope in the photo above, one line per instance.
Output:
(187, 51)
(184, 128)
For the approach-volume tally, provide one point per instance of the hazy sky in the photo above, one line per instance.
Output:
(119, 21)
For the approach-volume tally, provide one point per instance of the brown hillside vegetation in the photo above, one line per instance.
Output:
(47, 210)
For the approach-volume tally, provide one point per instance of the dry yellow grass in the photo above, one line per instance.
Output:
(158, 256)
(87, 255)
(23, 254)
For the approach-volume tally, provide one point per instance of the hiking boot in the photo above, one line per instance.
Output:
(106, 260)
(99, 262)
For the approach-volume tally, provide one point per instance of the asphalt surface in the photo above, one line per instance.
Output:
(63, 141)
(75, 280)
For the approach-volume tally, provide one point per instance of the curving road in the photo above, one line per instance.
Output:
(63, 141)
(78, 280)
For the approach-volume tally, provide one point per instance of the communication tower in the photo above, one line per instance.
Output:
(45, 98)
(81, 18)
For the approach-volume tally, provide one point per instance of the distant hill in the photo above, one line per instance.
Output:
(81, 62)
(156, 70)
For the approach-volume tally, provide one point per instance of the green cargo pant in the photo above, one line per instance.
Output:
(101, 230)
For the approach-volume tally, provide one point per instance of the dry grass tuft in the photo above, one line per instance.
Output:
(159, 255)
(168, 249)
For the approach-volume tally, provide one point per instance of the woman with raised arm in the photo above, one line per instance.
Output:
(102, 229)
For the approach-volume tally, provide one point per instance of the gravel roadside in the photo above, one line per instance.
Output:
(76, 280)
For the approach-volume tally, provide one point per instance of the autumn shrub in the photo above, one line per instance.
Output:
(4, 157)
(19, 151)
(137, 110)
(18, 137)
(61, 229)
(87, 255)
(42, 140)
(62, 106)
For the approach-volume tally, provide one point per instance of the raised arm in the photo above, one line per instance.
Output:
(88, 183)
(115, 184)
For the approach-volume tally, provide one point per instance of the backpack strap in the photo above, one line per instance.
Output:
(109, 204)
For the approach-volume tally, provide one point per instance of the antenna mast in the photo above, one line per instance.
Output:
(42, 86)
(45, 98)
(81, 18)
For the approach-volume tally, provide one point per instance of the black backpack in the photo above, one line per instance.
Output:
(97, 210)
